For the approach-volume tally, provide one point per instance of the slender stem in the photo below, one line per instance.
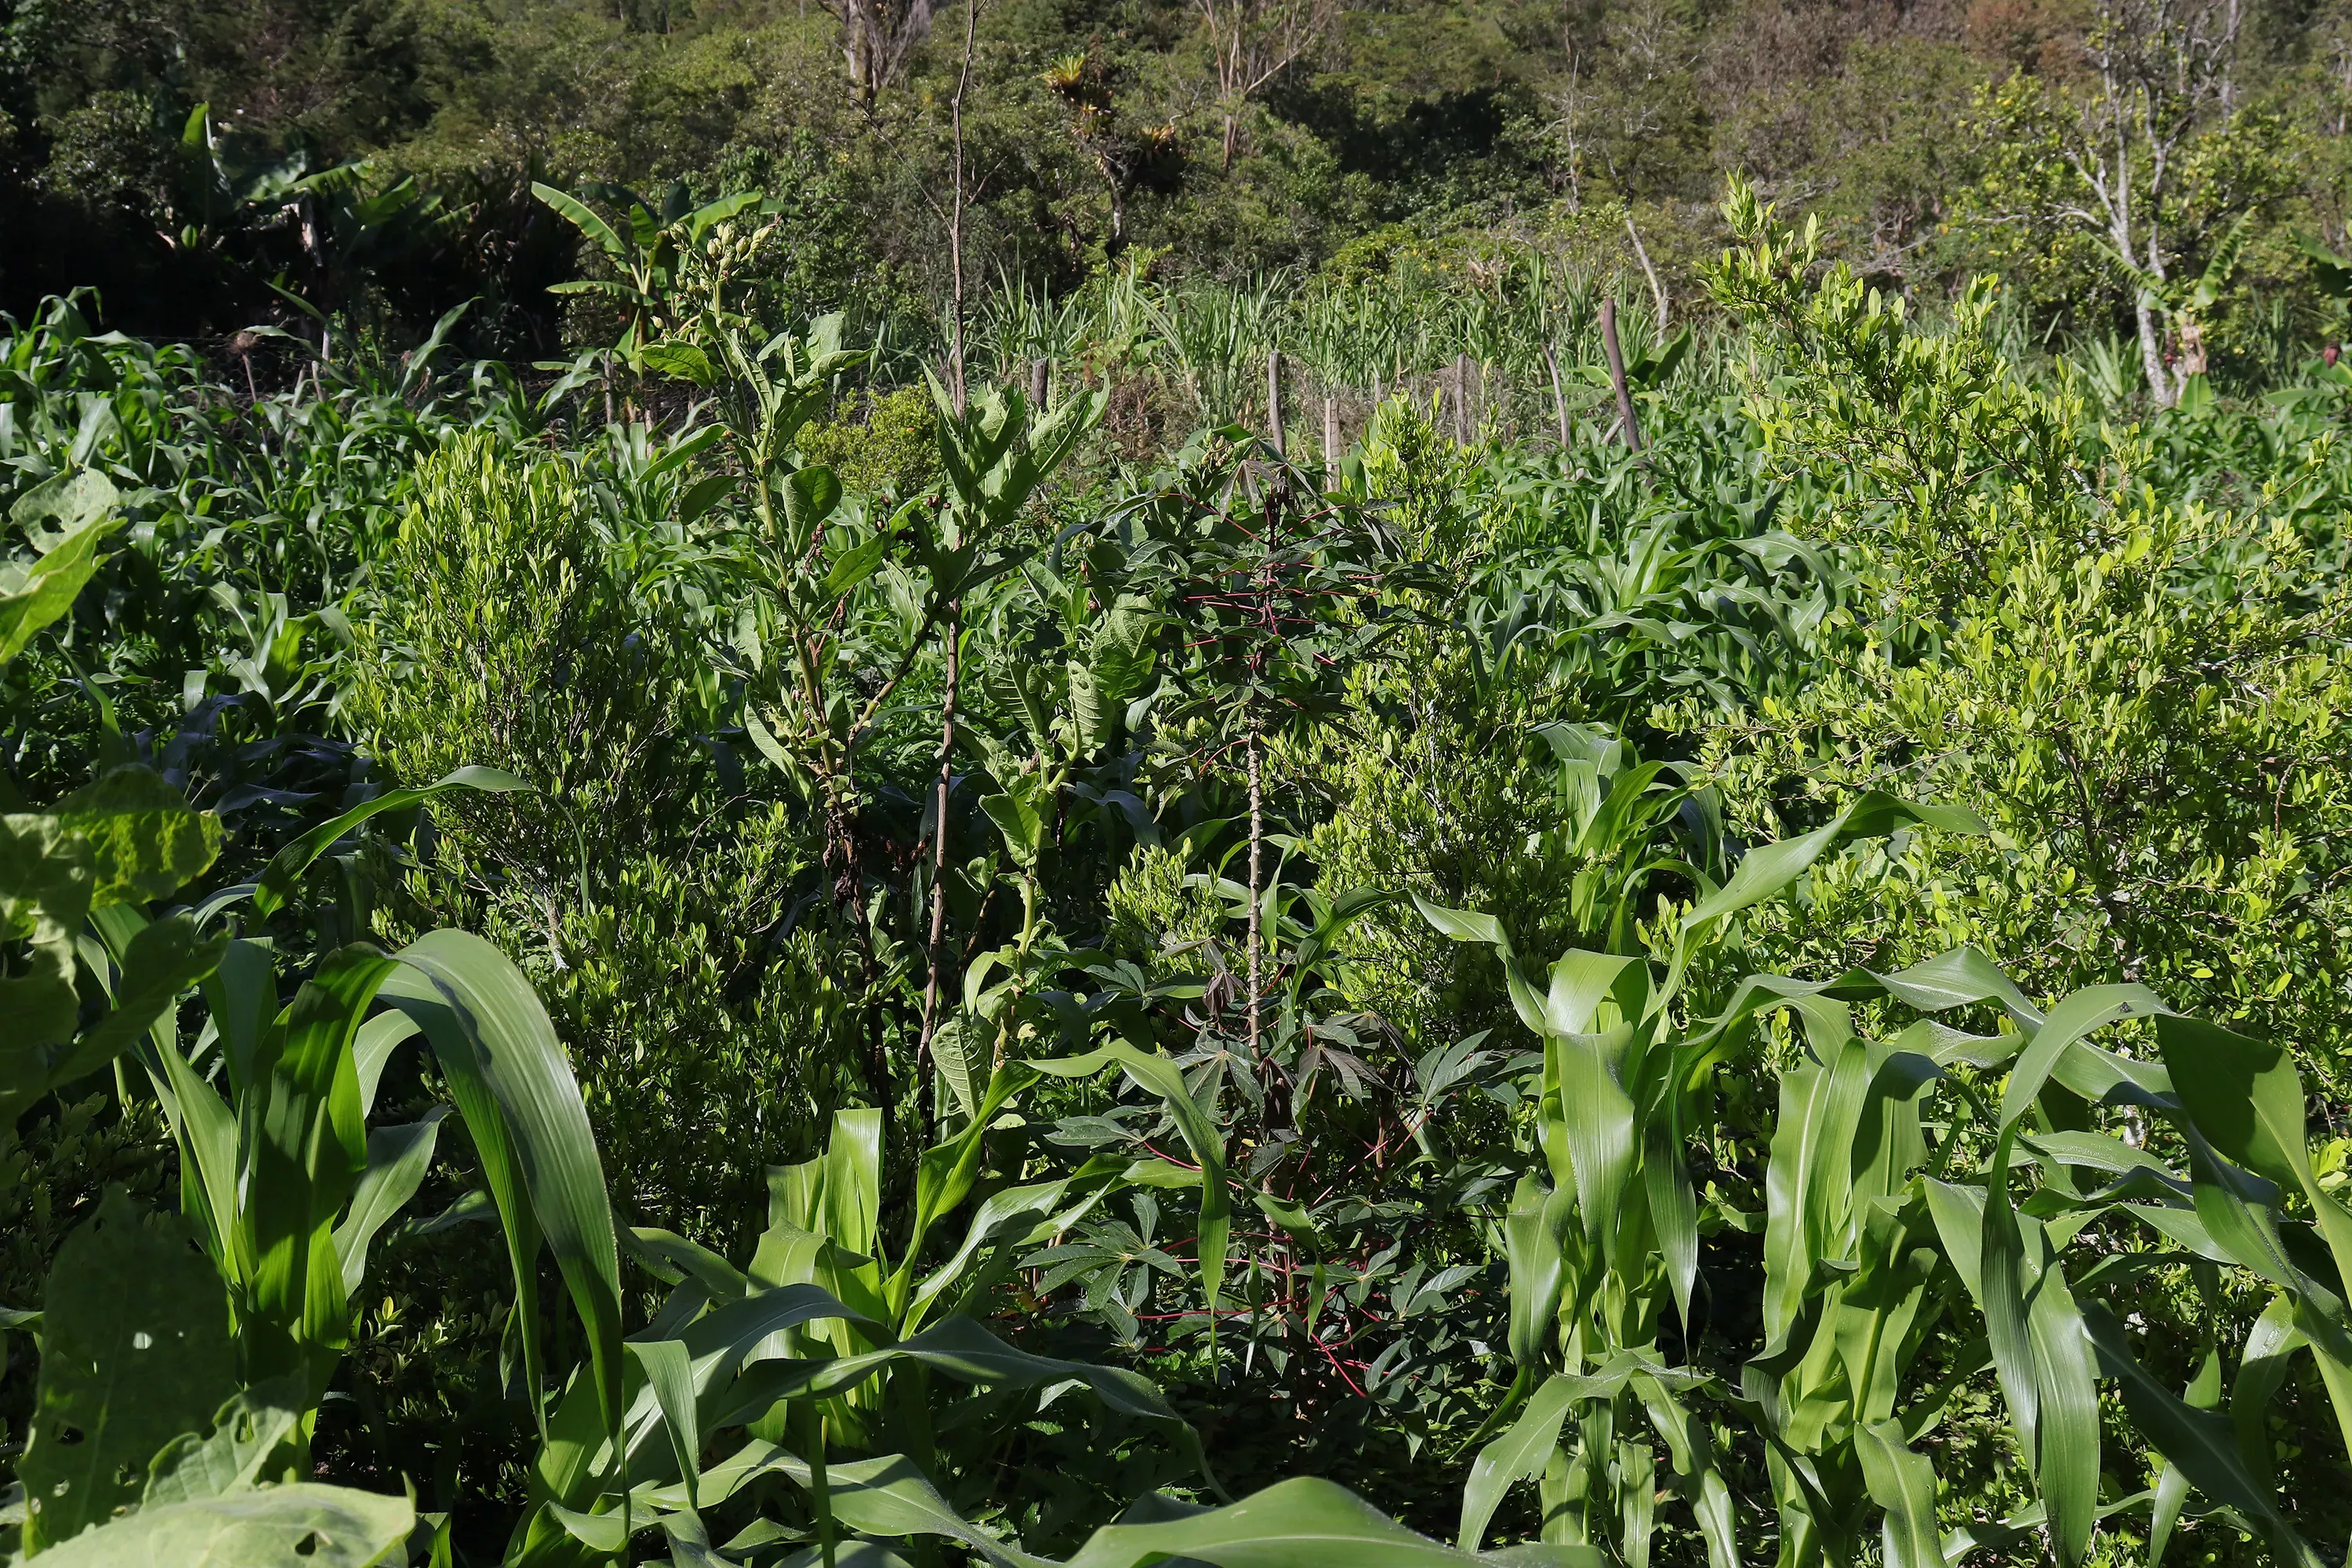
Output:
(955, 228)
(820, 1489)
(926, 1067)
(1657, 290)
(1257, 835)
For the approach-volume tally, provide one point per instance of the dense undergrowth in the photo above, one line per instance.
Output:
(728, 960)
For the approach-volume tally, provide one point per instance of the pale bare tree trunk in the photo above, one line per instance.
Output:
(2161, 65)
(1330, 434)
(1657, 290)
(2151, 351)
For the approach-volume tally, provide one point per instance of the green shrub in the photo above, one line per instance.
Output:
(885, 447)
(652, 910)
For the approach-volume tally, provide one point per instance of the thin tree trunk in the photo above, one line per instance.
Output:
(1040, 371)
(1657, 290)
(2151, 351)
(1617, 374)
(1462, 400)
(925, 1064)
(1330, 435)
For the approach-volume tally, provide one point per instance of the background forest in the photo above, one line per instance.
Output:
(1248, 784)
(1225, 138)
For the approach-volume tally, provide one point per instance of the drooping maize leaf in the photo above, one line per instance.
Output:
(1690, 1448)
(1013, 1219)
(1768, 869)
(1521, 1453)
(163, 960)
(670, 1373)
(372, 1051)
(516, 1089)
(206, 1129)
(1531, 1248)
(397, 1159)
(2200, 1442)
(1303, 1523)
(2066, 1466)
(285, 868)
(1902, 1483)
(2093, 1007)
(2246, 1098)
(964, 1350)
(2004, 1297)
(2204, 1392)
(2262, 1367)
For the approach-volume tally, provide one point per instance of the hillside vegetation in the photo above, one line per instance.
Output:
(1240, 785)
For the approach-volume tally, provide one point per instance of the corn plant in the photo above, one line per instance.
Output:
(1897, 1265)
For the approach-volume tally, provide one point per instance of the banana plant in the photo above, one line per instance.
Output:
(648, 258)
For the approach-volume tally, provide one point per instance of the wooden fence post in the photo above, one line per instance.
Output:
(1273, 397)
(1617, 374)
